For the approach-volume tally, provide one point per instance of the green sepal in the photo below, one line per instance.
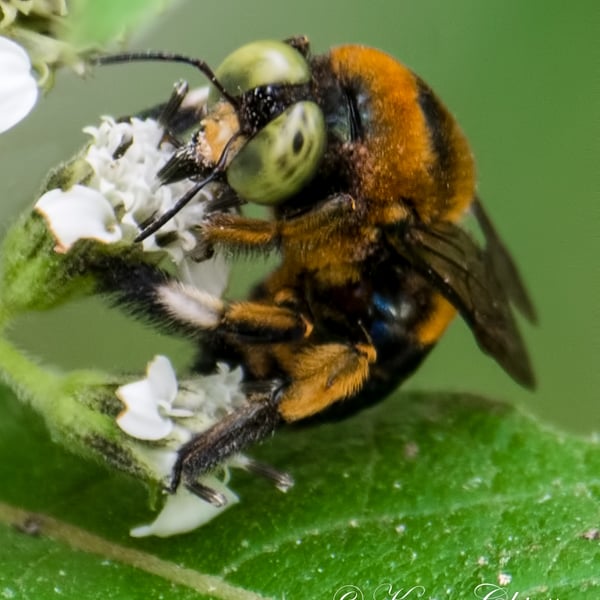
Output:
(33, 275)
(79, 409)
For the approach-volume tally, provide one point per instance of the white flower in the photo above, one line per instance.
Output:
(80, 212)
(185, 512)
(124, 158)
(164, 415)
(129, 182)
(18, 87)
(149, 402)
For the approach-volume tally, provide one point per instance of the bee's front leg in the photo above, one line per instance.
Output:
(237, 233)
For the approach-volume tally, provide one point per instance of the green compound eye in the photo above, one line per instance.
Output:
(282, 157)
(258, 64)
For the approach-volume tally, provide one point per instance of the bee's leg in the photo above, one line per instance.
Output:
(318, 377)
(168, 112)
(152, 294)
(242, 234)
(251, 322)
(282, 481)
(235, 232)
(182, 111)
(232, 434)
(322, 375)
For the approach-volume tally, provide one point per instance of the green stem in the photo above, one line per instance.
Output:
(34, 383)
(68, 402)
(79, 408)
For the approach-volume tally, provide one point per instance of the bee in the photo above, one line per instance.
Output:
(367, 177)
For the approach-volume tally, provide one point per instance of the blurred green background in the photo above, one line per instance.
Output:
(521, 77)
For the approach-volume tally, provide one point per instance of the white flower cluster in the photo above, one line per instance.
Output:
(124, 193)
(160, 414)
(117, 193)
(129, 181)
(166, 415)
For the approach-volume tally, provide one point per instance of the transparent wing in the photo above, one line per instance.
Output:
(467, 275)
(501, 263)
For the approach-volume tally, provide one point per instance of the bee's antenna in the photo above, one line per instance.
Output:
(111, 59)
(218, 169)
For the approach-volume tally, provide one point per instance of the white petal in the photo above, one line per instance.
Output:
(162, 378)
(178, 412)
(214, 395)
(185, 512)
(148, 402)
(78, 213)
(141, 419)
(158, 460)
(18, 88)
(211, 276)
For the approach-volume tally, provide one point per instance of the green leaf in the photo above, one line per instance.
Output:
(97, 23)
(441, 491)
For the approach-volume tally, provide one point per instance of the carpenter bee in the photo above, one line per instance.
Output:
(367, 177)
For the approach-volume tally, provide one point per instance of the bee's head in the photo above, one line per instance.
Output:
(262, 133)
(281, 131)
